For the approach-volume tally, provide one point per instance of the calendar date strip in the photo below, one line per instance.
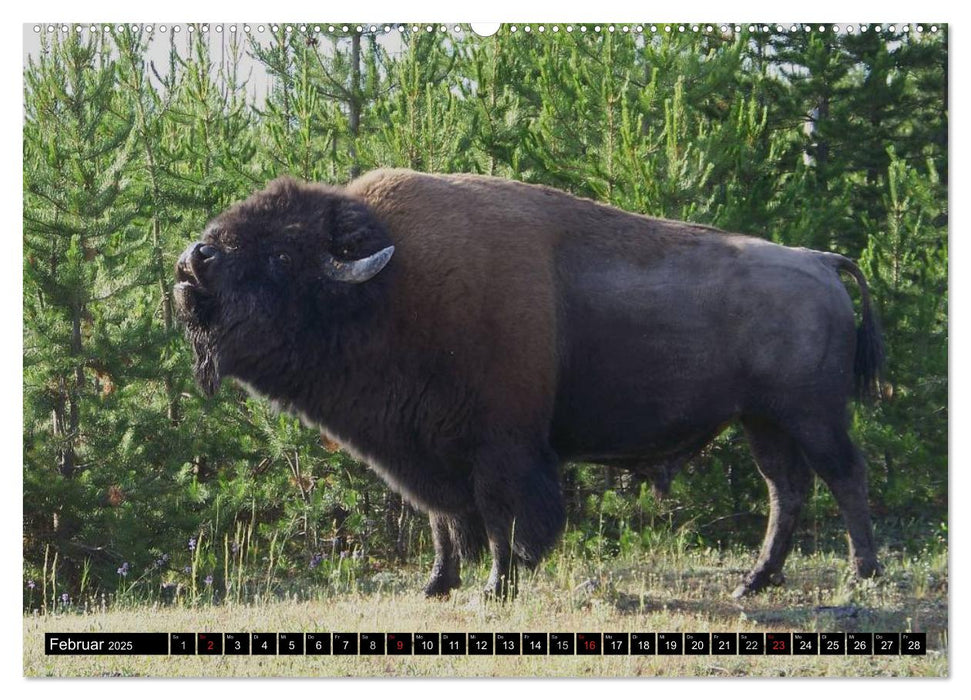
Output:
(486, 643)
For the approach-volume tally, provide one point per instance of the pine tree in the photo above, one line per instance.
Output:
(77, 235)
(498, 108)
(906, 260)
(419, 123)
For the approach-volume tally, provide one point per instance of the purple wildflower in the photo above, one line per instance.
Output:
(31, 585)
(123, 569)
(187, 569)
(208, 580)
(65, 598)
(192, 544)
(344, 554)
(315, 560)
(234, 547)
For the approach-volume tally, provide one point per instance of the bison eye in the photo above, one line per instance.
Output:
(283, 259)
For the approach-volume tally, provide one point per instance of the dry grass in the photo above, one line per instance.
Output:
(676, 591)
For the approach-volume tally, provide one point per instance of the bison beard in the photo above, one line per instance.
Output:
(466, 335)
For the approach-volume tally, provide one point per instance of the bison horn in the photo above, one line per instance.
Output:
(357, 271)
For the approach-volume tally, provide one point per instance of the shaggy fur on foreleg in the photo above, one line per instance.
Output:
(520, 500)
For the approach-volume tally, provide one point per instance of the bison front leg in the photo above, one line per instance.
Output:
(445, 570)
(503, 580)
(788, 479)
(518, 496)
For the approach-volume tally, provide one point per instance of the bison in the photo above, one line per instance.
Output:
(466, 335)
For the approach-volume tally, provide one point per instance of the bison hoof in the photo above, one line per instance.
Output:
(441, 587)
(867, 569)
(754, 583)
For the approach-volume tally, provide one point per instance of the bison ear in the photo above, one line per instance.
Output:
(360, 246)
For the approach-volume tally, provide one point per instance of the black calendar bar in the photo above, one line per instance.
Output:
(487, 643)
(108, 643)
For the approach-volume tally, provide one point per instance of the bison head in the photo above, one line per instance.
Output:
(273, 278)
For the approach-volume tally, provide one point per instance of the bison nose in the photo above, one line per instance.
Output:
(198, 253)
(191, 262)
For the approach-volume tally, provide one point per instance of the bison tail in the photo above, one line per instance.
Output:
(870, 351)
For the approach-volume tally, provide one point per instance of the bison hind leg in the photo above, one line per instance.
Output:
(788, 478)
(839, 463)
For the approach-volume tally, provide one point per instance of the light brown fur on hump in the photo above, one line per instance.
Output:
(476, 281)
(507, 211)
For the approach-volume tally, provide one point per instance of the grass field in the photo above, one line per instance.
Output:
(670, 592)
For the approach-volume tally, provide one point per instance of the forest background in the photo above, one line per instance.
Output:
(136, 486)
